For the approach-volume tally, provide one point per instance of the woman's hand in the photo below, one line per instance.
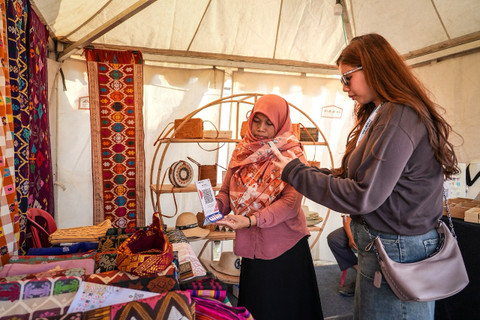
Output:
(236, 222)
(282, 160)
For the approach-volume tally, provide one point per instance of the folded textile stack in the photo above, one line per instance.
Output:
(79, 234)
(75, 281)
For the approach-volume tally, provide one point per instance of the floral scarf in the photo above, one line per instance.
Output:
(256, 181)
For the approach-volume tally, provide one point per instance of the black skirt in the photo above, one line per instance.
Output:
(282, 288)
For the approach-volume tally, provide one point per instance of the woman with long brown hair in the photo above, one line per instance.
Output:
(391, 177)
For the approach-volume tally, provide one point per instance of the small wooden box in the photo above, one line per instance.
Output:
(309, 134)
(208, 172)
(192, 129)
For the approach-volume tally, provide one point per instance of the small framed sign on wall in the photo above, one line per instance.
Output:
(83, 103)
(332, 111)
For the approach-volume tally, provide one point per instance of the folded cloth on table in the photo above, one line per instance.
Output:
(205, 283)
(158, 283)
(94, 295)
(169, 305)
(79, 234)
(11, 269)
(186, 254)
(55, 272)
(206, 309)
(62, 250)
(46, 259)
(35, 298)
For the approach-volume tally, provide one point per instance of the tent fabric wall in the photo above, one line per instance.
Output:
(453, 84)
(302, 31)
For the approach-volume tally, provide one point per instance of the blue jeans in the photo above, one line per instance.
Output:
(381, 303)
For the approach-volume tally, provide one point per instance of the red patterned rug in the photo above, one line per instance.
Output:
(118, 157)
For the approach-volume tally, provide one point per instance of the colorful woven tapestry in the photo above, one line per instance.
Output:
(17, 60)
(40, 192)
(115, 80)
(9, 224)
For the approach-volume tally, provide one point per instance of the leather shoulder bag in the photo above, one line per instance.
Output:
(439, 276)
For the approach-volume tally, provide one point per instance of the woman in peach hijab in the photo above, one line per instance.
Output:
(277, 277)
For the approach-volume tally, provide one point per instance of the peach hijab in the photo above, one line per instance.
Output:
(256, 182)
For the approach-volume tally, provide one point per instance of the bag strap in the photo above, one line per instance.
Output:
(447, 207)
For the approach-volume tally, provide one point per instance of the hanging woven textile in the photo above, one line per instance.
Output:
(9, 224)
(40, 166)
(16, 30)
(115, 83)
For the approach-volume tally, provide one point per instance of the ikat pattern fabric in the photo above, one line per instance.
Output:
(115, 80)
(212, 309)
(157, 283)
(171, 305)
(40, 186)
(9, 219)
(207, 288)
(34, 298)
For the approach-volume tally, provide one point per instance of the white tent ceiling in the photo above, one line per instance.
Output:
(294, 35)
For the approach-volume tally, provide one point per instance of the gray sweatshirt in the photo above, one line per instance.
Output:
(398, 188)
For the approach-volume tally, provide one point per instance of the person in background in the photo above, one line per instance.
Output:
(396, 159)
(277, 275)
(341, 242)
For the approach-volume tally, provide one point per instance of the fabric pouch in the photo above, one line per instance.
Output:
(146, 252)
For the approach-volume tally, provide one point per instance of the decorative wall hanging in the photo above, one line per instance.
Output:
(9, 223)
(40, 186)
(118, 158)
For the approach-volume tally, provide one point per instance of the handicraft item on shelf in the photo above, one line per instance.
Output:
(206, 172)
(192, 129)
(180, 173)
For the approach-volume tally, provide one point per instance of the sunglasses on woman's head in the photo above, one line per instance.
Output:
(345, 80)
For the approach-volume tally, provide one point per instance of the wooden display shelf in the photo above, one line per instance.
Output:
(200, 140)
(226, 140)
(168, 188)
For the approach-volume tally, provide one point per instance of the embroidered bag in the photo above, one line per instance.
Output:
(146, 252)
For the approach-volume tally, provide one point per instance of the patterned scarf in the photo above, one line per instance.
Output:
(257, 182)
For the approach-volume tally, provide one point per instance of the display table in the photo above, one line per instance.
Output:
(221, 236)
(466, 303)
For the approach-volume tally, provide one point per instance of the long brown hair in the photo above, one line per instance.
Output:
(387, 73)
